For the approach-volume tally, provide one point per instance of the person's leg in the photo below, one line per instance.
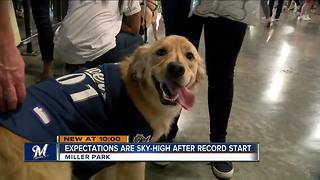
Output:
(271, 4)
(223, 40)
(175, 15)
(266, 11)
(177, 22)
(126, 44)
(17, 4)
(297, 5)
(297, 2)
(306, 9)
(41, 15)
(18, 8)
(301, 4)
(289, 2)
(279, 9)
(265, 8)
(310, 4)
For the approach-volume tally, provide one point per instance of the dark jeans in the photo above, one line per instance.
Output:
(265, 8)
(17, 4)
(279, 7)
(41, 16)
(223, 40)
(298, 2)
(125, 45)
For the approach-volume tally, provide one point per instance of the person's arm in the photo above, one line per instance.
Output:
(131, 24)
(12, 87)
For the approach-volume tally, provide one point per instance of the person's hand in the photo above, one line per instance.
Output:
(12, 87)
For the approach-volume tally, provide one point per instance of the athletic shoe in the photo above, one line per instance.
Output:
(306, 18)
(222, 169)
(268, 24)
(161, 163)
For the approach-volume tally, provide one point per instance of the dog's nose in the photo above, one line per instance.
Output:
(175, 70)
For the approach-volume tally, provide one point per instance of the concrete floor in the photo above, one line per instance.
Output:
(276, 103)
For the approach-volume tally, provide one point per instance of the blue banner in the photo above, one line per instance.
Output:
(40, 152)
(158, 148)
(141, 152)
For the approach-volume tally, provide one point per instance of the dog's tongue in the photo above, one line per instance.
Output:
(185, 96)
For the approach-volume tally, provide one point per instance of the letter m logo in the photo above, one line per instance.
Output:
(40, 152)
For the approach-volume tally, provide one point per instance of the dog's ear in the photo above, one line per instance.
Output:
(139, 58)
(201, 72)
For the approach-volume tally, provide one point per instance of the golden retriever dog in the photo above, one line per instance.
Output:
(149, 16)
(158, 80)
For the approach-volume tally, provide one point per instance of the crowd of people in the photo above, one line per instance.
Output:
(302, 8)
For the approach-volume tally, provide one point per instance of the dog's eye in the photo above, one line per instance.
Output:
(189, 55)
(161, 52)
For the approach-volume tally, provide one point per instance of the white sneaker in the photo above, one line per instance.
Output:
(306, 18)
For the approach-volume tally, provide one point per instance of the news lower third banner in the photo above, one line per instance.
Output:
(117, 148)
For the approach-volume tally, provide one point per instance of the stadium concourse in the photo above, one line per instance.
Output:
(276, 103)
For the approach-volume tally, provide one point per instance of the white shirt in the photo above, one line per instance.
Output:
(89, 29)
(246, 11)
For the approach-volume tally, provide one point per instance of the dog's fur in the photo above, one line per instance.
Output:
(137, 72)
(149, 17)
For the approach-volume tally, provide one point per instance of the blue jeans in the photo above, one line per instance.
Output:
(125, 45)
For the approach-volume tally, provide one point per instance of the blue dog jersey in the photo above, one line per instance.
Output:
(93, 102)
